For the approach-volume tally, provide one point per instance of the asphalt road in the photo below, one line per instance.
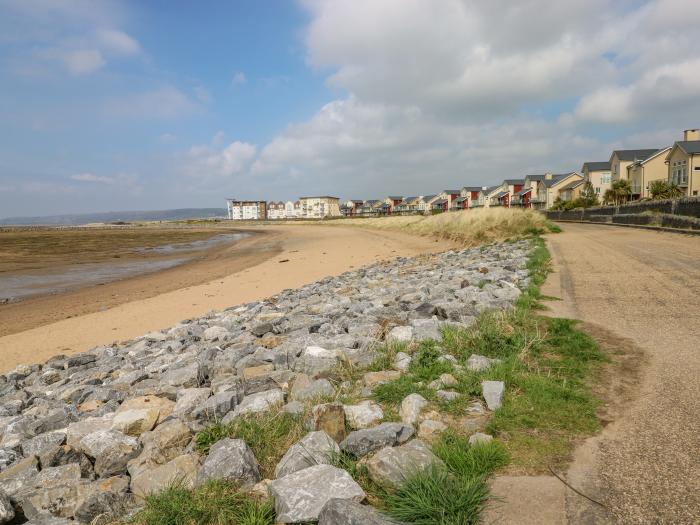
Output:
(643, 286)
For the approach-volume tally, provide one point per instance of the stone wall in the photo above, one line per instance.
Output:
(682, 208)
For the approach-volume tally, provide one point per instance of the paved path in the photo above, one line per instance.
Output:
(645, 286)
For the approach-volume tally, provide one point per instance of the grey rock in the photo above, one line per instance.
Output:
(182, 470)
(36, 445)
(480, 438)
(402, 361)
(316, 361)
(19, 477)
(493, 393)
(65, 455)
(300, 496)
(230, 459)
(295, 408)
(411, 407)
(361, 442)
(103, 497)
(400, 334)
(426, 329)
(314, 389)
(390, 467)
(477, 363)
(188, 399)
(188, 376)
(217, 406)
(7, 511)
(363, 415)
(447, 395)
(111, 451)
(316, 448)
(348, 512)
(259, 402)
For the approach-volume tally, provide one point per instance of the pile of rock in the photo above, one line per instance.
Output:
(93, 433)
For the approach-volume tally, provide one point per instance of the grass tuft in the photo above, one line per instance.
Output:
(268, 434)
(214, 503)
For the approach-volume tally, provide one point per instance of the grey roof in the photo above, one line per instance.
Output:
(501, 194)
(395, 198)
(689, 146)
(461, 199)
(634, 154)
(535, 177)
(472, 188)
(514, 181)
(426, 198)
(371, 201)
(524, 191)
(490, 189)
(451, 192)
(573, 184)
(408, 199)
(440, 201)
(596, 166)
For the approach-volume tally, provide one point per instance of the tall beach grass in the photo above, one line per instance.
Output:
(468, 227)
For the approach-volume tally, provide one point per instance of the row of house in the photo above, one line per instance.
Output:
(677, 164)
(304, 208)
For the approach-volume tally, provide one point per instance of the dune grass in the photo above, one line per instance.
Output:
(468, 227)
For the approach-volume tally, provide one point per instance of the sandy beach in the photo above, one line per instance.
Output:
(257, 267)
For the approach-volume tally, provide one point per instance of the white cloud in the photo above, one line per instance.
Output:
(211, 160)
(239, 79)
(89, 177)
(118, 42)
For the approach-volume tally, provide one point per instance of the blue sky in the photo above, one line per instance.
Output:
(109, 105)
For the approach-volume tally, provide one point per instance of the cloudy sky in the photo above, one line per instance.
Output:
(109, 105)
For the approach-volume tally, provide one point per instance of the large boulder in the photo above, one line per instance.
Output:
(164, 405)
(78, 430)
(167, 441)
(362, 442)
(426, 329)
(316, 448)
(65, 455)
(349, 512)
(182, 470)
(216, 406)
(188, 399)
(300, 496)
(477, 363)
(390, 467)
(37, 444)
(111, 451)
(305, 389)
(17, 478)
(7, 511)
(135, 421)
(400, 334)
(54, 491)
(363, 415)
(232, 460)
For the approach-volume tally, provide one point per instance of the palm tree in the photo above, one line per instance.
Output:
(659, 189)
(622, 191)
(609, 196)
(675, 191)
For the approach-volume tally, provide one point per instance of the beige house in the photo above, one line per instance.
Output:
(621, 158)
(319, 207)
(643, 172)
(545, 188)
(598, 174)
(683, 160)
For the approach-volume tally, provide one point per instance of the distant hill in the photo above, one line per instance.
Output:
(117, 216)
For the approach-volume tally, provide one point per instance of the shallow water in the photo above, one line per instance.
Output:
(17, 287)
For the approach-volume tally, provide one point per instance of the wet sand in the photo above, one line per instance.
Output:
(251, 269)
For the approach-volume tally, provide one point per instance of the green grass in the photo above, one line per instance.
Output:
(268, 434)
(454, 495)
(425, 365)
(393, 392)
(214, 503)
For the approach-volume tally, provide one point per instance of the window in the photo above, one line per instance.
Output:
(605, 178)
(597, 190)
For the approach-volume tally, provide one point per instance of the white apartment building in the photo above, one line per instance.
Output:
(319, 207)
(246, 210)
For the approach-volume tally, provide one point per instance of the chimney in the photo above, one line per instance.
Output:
(547, 176)
(691, 134)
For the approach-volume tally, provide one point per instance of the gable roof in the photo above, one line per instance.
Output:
(395, 198)
(644, 161)
(514, 181)
(472, 188)
(534, 177)
(633, 154)
(596, 166)
(440, 201)
(524, 191)
(573, 184)
(691, 147)
(451, 192)
(557, 178)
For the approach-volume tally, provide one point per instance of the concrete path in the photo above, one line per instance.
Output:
(638, 293)
(643, 286)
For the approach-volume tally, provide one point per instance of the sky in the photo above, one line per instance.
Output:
(130, 105)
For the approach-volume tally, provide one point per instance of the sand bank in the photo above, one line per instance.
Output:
(310, 253)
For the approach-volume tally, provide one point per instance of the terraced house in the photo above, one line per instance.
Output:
(642, 173)
(683, 163)
(621, 158)
(598, 174)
